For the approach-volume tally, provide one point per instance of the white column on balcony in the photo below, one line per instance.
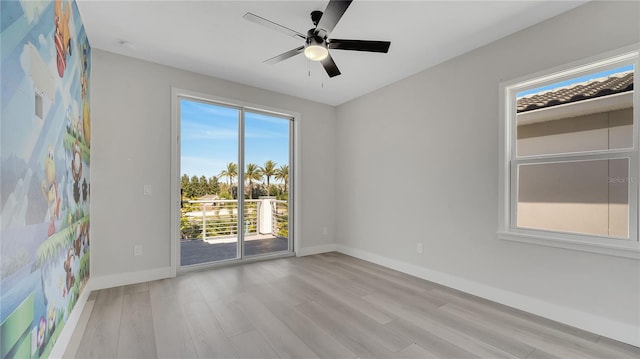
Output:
(204, 222)
(265, 215)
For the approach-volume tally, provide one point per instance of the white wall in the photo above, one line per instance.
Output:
(131, 112)
(426, 150)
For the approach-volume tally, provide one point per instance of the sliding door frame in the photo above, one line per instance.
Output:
(294, 131)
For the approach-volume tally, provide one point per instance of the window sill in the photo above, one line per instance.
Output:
(618, 248)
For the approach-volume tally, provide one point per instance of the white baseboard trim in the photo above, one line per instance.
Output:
(623, 332)
(316, 250)
(116, 280)
(62, 342)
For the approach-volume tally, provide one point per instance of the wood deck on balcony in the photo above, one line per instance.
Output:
(198, 251)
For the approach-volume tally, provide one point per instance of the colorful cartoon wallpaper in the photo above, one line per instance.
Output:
(44, 172)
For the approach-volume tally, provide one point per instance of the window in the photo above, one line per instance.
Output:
(569, 157)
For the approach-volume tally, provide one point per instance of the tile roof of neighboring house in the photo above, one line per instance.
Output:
(616, 83)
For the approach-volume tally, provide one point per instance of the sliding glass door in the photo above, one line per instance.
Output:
(266, 178)
(235, 186)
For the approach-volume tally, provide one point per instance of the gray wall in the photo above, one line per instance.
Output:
(418, 162)
(131, 110)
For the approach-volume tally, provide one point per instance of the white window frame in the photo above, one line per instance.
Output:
(507, 229)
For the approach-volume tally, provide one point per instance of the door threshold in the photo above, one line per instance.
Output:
(233, 262)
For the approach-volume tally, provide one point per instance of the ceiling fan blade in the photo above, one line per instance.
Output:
(284, 56)
(332, 14)
(359, 45)
(330, 66)
(272, 25)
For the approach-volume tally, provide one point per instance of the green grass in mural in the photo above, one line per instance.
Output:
(54, 337)
(56, 243)
(83, 218)
(15, 329)
(73, 294)
(84, 267)
(61, 240)
(70, 140)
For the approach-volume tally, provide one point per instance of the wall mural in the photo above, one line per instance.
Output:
(44, 173)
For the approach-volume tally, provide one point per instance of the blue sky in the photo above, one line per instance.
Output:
(574, 80)
(209, 136)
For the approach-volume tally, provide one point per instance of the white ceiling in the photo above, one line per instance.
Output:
(212, 38)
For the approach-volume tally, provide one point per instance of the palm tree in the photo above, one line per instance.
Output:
(253, 173)
(231, 172)
(282, 174)
(268, 171)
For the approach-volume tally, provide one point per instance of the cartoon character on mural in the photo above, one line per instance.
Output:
(86, 117)
(76, 170)
(68, 268)
(80, 241)
(84, 81)
(42, 329)
(62, 35)
(84, 84)
(51, 320)
(85, 190)
(50, 190)
(85, 242)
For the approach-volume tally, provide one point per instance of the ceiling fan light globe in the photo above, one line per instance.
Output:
(316, 52)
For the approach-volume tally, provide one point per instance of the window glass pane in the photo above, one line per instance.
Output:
(589, 113)
(586, 197)
(267, 183)
(209, 182)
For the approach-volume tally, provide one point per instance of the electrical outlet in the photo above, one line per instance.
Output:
(146, 189)
(137, 250)
(419, 248)
(325, 231)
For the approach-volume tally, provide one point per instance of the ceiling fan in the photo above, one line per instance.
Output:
(317, 43)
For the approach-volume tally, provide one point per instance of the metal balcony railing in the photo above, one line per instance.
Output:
(280, 218)
(216, 219)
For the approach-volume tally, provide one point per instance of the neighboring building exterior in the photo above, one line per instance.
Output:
(589, 197)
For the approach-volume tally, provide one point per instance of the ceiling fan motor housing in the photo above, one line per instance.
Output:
(315, 17)
(316, 40)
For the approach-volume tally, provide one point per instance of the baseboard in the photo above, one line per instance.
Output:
(316, 250)
(623, 332)
(116, 280)
(70, 325)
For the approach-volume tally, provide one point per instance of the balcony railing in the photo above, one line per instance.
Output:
(218, 219)
(280, 218)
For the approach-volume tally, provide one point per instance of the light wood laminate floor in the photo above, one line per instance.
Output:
(322, 306)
